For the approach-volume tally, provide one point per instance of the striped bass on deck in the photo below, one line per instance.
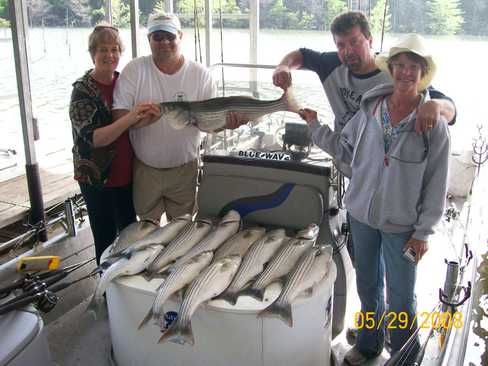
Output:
(283, 261)
(132, 233)
(210, 115)
(182, 243)
(179, 278)
(160, 236)
(228, 226)
(253, 263)
(125, 266)
(210, 283)
(311, 268)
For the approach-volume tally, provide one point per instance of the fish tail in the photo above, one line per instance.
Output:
(255, 293)
(149, 275)
(280, 311)
(291, 102)
(179, 333)
(144, 321)
(229, 296)
(96, 308)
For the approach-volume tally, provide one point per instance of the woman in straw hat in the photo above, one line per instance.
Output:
(395, 196)
(102, 154)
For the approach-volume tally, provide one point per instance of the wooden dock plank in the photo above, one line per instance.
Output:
(57, 185)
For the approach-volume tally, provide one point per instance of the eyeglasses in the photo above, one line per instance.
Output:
(159, 36)
(99, 28)
(422, 155)
(402, 67)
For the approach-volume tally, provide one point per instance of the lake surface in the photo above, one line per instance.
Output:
(58, 56)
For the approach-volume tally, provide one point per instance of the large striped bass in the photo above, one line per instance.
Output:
(210, 115)
(209, 284)
(124, 266)
(183, 242)
(177, 279)
(228, 226)
(283, 262)
(162, 236)
(132, 233)
(240, 242)
(312, 267)
(253, 263)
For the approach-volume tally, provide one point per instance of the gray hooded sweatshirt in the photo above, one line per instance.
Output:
(398, 191)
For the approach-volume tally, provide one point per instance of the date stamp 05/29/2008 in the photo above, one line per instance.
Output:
(402, 320)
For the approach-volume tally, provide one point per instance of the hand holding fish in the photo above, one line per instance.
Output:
(212, 115)
(282, 77)
(308, 115)
(145, 114)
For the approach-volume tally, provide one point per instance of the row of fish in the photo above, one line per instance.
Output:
(223, 262)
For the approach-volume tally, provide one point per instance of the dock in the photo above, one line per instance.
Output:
(56, 173)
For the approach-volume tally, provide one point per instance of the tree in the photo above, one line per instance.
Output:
(120, 13)
(475, 15)
(334, 8)
(377, 14)
(445, 17)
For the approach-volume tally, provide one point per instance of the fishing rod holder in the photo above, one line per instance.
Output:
(443, 298)
(69, 214)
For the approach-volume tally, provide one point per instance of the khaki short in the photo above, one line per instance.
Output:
(171, 190)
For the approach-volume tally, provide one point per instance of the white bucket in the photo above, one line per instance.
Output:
(225, 335)
(462, 172)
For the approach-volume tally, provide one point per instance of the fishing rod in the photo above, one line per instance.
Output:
(45, 299)
(31, 280)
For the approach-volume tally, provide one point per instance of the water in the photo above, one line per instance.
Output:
(60, 56)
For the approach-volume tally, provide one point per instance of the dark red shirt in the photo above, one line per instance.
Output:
(121, 167)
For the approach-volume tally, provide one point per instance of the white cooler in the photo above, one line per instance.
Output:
(225, 335)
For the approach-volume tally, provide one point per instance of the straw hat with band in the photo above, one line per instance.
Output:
(411, 43)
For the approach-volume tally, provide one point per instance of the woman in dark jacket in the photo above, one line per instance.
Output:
(102, 154)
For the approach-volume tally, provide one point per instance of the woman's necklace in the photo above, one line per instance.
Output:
(398, 111)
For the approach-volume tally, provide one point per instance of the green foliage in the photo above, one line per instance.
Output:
(159, 6)
(97, 15)
(3, 9)
(376, 19)
(186, 9)
(4, 23)
(334, 8)
(445, 17)
(120, 14)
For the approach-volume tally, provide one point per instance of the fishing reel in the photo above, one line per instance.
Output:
(297, 140)
(47, 301)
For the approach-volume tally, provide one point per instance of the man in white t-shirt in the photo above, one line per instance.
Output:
(165, 166)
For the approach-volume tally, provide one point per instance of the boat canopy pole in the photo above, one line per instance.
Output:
(208, 32)
(108, 11)
(18, 9)
(168, 6)
(134, 26)
(253, 44)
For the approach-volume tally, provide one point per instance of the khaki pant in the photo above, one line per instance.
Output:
(170, 190)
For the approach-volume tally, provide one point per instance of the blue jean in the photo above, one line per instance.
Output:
(110, 210)
(370, 246)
